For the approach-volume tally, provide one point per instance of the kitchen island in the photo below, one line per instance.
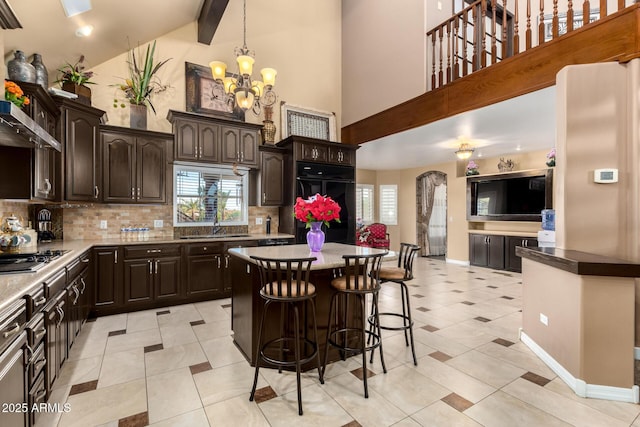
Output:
(247, 305)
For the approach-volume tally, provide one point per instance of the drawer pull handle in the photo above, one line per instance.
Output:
(40, 333)
(39, 364)
(29, 354)
(154, 251)
(40, 395)
(84, 285)
(84, 260)
(14, 330)
(39, 301)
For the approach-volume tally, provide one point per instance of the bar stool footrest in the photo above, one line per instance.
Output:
(372, 322)
(305, 355)
(357, 334)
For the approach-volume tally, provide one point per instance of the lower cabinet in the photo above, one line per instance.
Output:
(55, 319)
(151, 273)
(108, 293)
(204, 265)
(13, 383)
(512, 261)
(486, 251)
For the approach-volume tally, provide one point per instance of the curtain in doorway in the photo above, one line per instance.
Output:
(426, 185)
(437, 229)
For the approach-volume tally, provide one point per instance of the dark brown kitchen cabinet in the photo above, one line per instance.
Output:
(271, 190)
(107, 277)
(197, 141)
(152, 273)
(79, 134)
(55, 318)
(486, 250)
(226, 272)
(45, 164)
(204, 270)
(512, 261)
(316, 150)
(13, 383)
(312, 151)
(341, 156)
(134, 165)
(239, 146)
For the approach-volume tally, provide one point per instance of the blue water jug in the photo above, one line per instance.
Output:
(548, 219)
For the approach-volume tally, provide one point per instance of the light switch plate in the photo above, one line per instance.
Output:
(158, 223)
(103, 224)
(259, 221)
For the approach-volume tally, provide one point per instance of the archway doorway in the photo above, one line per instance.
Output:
(431, 215)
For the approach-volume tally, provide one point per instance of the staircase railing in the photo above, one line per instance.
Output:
(488, 31)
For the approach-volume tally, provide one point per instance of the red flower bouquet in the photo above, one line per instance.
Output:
(316, 209)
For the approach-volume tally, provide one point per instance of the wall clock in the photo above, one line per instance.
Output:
(206, 96)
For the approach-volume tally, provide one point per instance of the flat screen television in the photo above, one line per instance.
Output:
(514, 196)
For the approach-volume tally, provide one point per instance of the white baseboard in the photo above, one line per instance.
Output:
(457, 262)
(578, 386)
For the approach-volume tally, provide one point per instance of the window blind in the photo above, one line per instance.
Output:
(364, 202)
(389, 204)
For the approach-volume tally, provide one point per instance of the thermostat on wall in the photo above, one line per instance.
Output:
(605, 176)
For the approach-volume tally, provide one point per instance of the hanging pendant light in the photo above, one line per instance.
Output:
(241, 89)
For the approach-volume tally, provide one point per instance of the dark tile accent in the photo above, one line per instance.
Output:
(471, 271)
(353, 423)
(482, 319)
(137, 420)
(456, 291)
(81, 388)
(160, 313)
(503, 342)
(120, 332)
(449, 281)
(417, 296)
(92, 319)
(197, 322)
(492, 287)
(457, 402)
(226, 306)
(506, 297)
(200, 367)
(430, 328)
(442, 274)
(535, 378)
(480, 278)
(468, 303)
(360, 373)
(423, 309)
(438, 355)
(263, 394)
(503, 273)
(155, 347)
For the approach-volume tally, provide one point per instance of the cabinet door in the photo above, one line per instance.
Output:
(495, 247)
(55, 318)
(119, 159)
(13, 382)
(342, 156)
(272, 179)
(138, 280)
(209, 142)
(512, 261)
(313, 152)
(186, 133)
(108, 280)
(248, 147)
(478, 250)
(167, 277)
(203, 275)
(82, 157)
(151, 170)
(44, 173)
(230, 145)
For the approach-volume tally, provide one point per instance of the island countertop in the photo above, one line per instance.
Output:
(329, 257)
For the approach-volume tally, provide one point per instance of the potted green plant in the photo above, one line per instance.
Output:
(141, 84)
(74, 79)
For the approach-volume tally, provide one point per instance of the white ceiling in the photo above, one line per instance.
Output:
(118, 26)
(525, 123)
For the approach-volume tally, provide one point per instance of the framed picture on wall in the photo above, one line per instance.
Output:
(307, 122)
(206, 96)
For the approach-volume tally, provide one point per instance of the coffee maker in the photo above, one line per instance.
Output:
(45, 233)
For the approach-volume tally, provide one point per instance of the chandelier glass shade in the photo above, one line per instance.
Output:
(464, 152)
(241, 88)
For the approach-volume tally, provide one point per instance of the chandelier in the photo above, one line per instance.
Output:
(241, 88)
(464, 152)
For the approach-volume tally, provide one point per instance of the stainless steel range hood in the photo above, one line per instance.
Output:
(19, 130)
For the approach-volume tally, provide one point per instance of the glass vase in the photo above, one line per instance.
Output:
(315, 237)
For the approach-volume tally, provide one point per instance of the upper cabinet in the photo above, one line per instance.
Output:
(306, 149)
(207, 139)
(134, 165)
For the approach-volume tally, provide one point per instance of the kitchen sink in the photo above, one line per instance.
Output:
(214, 236)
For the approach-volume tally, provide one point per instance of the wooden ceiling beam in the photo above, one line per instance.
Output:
(209, 18)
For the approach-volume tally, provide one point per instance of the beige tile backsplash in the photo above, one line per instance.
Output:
(17, 208)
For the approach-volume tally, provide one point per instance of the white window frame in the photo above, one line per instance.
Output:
(218, 169)
(360, 189)
(388, 208)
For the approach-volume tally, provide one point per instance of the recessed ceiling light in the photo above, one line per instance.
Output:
(75, 7)
(84, 31)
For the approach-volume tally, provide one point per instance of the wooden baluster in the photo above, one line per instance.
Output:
(465, 62)
(603, 12)
(516, 36)
(620, 4)
(586, 9)
(433, 60)
(476, 40)
(570, 16)
(555, 22)
(541, 24)
(505, 42)
(449, 41)
(440, 73)
(456, 50)
(494, 45)
(527, 33)
(482, 32)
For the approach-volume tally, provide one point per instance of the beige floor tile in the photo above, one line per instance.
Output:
(439, 414)
(284, 382)
(179, 334)
(79, 371)
(196, 418)
(407, 422)
(445, 345)
(179, 314)
(220, 384)
(87, 347)
(122, 367)
(228, 413)
(58, 397)
(212, 311)
(221, 352)
(142, 320)
(568, 410)
(487, 369)
(212, 329)
(466, 333)
(530, 362)
(105, 404)
(170, 394)
(115, 322)
(168, 359)
(503, 410)
(133, 340)
(396, 349)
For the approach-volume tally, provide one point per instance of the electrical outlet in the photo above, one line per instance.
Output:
(544, 319)
(158, 223)
(259, 221)
(103, 224)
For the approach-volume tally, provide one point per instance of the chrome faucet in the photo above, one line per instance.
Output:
(217, 229)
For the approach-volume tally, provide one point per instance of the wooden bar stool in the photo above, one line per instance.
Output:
(399, 274)
(286, 282)
(359, 278)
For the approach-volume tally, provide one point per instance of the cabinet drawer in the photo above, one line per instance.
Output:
(151, 251)
(204, 248)
(35, 301)
(37, 395)
(37, 362)
(36, 330)
(75, 268)
(313, 152)
(12, 321)
(56, 283)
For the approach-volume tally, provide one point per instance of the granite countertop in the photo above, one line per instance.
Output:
(15, 286)
(581, 263)
(329, 257)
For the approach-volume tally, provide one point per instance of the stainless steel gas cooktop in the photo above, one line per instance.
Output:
(26, 262)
